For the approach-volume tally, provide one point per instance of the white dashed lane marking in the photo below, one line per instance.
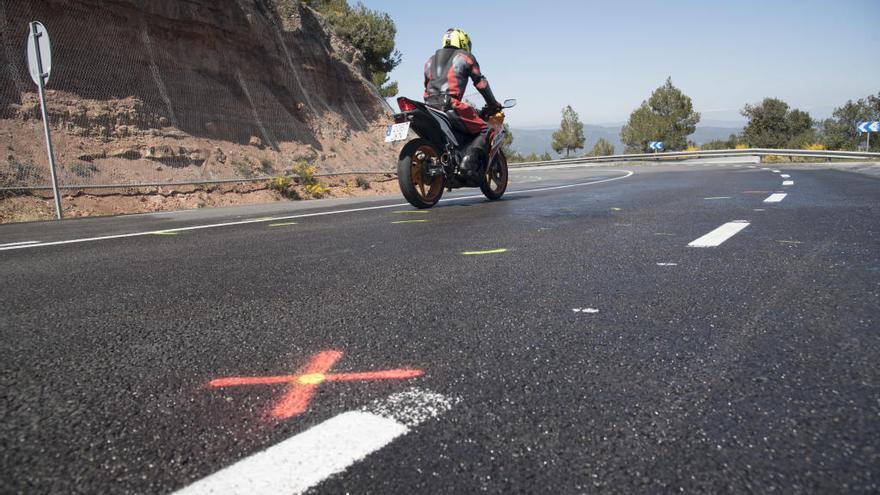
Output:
(721, 234)
(305, 460)
(785, 176)
(775, 198)
(788, 183)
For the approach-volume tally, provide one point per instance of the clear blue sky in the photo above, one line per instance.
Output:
(605, 57)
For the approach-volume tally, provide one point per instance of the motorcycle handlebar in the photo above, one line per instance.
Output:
(489, 111)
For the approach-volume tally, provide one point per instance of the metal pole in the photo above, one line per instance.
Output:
(45, 113)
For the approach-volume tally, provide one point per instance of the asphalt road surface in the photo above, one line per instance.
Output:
(620, 329)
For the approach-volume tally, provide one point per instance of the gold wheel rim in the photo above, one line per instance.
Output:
(427, 191)
(496, 174)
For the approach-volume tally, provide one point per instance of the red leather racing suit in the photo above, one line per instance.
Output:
(446, 77)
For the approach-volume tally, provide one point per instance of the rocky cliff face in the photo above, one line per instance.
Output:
(169, 90)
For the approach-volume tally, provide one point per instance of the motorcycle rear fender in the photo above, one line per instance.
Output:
(430, 124)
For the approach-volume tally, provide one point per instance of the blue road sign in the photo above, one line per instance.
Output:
(656, 145)
(868, 127)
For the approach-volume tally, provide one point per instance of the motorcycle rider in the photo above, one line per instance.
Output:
(446, 77)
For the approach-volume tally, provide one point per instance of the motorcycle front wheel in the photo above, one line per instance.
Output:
(419, 188)
(494, 181)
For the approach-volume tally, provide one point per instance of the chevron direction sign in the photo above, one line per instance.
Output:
(656, 145)
(868, 127)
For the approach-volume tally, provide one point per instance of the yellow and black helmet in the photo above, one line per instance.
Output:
(457, 38)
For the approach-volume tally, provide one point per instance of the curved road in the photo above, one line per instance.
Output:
(700, 328)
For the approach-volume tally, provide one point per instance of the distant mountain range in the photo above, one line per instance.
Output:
(538, 141)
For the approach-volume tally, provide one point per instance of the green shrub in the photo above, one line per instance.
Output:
(81, 169)
(306, 174)
(362, 182)
(316, 191)
(280, 183)
(284, 186)
(243, 167)
(20, 173)
(370, 31)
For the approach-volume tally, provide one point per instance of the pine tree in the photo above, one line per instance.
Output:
(570, 136)
(602, 148)
(773, 125)
(667, 116)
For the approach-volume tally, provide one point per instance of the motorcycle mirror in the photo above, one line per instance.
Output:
(509, 103)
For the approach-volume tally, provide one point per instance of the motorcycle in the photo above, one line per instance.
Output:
(442, 156)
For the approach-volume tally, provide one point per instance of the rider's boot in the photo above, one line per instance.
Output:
(470, 164)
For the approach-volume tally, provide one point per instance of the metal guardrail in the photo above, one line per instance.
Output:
(640, 157)
(242, 180)
(681, 155)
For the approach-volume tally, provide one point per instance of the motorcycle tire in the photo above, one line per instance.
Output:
(494, 180)
(417, 187)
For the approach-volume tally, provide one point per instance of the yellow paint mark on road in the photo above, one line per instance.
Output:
(311, 379)
(488, 251)
(412, 211)
(281, 224)
(163, 233)
(409, 221)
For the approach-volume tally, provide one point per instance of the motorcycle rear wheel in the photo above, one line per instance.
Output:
(494, 181)
(421, 190)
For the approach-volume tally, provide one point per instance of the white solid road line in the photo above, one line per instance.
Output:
(775, 198)
(303, 461)
(22, 243)
(306, 459)
(721, 234)
(788, 183)
(306, 215)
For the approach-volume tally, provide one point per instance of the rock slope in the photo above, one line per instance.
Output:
(176, 90)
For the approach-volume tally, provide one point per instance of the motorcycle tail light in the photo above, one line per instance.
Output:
(405, 104)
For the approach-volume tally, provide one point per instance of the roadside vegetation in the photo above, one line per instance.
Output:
(531, 157)
(310, 184)
(601, 148)
(570, 136)
(667, 116)
(304, 185)
(370, 31)
(772, 123)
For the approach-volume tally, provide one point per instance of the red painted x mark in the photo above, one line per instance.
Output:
(303, 384)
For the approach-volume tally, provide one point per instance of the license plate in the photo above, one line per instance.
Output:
(396, 132)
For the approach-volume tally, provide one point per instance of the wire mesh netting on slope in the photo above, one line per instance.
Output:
(162, 91)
